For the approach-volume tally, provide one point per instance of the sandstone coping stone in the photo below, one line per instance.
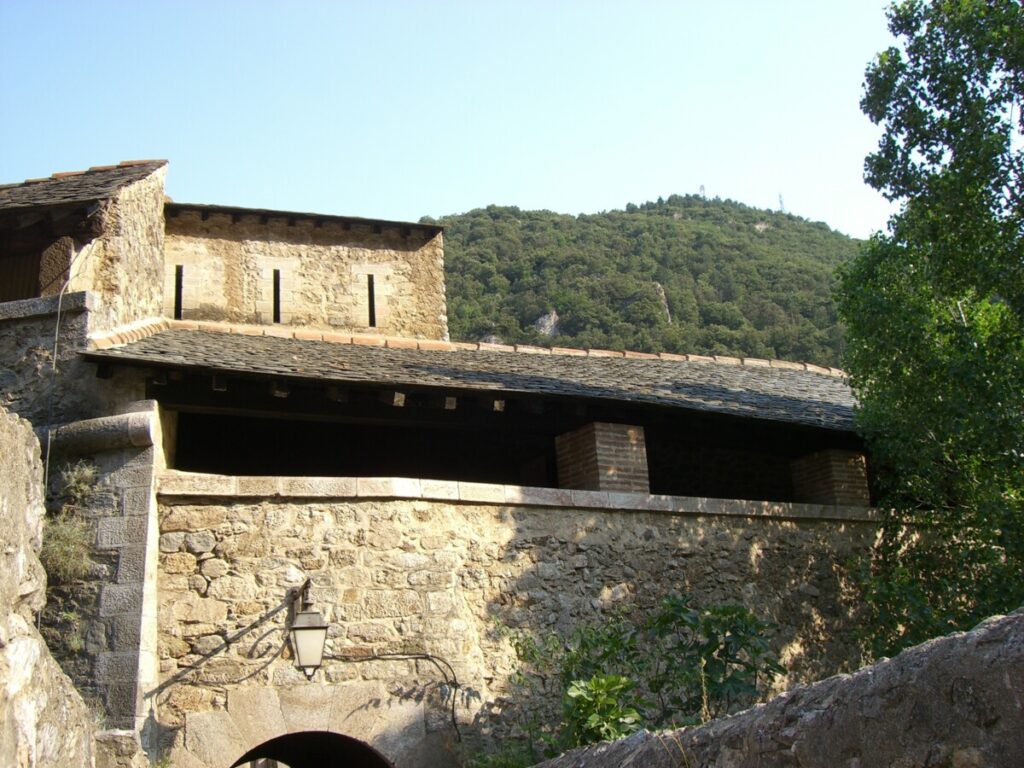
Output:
(107, 433)
(76, 301)
(174, 483)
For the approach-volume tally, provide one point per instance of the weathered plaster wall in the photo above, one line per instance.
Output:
(438, 576)
(956, 702)
(124, 266)
(228, 273)
(43, 721)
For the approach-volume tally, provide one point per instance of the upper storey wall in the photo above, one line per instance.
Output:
(124, 265)
(318, 272)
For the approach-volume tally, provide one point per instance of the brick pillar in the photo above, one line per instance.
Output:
(603, 457)
(832, 476)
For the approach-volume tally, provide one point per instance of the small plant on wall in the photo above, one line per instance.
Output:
(681, 665)
(66, 554)
(67, 536)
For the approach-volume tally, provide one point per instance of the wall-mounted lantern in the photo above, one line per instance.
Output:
(307, 632)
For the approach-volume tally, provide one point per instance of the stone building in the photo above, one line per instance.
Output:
(271, 397)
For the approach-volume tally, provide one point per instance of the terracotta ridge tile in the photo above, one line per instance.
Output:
(486, 347)
(207, 325)
(395, 342)
(368, 341)
(130, 333)
(429, 344)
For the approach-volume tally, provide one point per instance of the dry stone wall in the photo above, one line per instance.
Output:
(399, 576)
(43, 721)
(323, 269)
(955, 702)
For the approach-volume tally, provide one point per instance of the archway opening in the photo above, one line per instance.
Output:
(313, 749)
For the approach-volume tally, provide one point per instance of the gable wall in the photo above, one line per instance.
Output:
(228, 267)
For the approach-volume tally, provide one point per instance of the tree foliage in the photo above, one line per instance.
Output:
(935, 314)
(684, 274)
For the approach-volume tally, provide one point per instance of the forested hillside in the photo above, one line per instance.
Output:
(680, 275)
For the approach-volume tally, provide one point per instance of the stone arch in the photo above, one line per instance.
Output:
(316, 749)
(392, 728)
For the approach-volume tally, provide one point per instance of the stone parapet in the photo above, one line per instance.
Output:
(195, 485)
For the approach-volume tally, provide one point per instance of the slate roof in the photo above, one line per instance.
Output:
(96, 183)
(777, 394)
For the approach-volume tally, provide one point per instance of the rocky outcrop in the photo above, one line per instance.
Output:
(43, 721)
(547, 324)
(956, 702)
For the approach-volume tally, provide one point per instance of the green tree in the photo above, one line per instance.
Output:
(934, 309)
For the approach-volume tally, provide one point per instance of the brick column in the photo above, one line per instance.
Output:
(603, 457)
(832, 476)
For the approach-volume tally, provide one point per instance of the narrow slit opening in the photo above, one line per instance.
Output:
(179, 281)
(371, 302)
(277, 295)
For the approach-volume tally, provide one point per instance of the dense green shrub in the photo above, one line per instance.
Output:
(681, 665)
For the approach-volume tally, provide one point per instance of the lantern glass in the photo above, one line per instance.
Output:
(308, 635)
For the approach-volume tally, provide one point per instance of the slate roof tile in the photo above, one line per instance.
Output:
(75, 187)
(777, 394)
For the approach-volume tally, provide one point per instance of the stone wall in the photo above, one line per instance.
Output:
(27, 331)
(28, 385)
(116, 604)
(956, 702)
(124, 265)
(440, 576)
(323, 267)
(43, 721)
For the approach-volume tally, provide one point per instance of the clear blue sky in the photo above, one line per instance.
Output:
(397, 110)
